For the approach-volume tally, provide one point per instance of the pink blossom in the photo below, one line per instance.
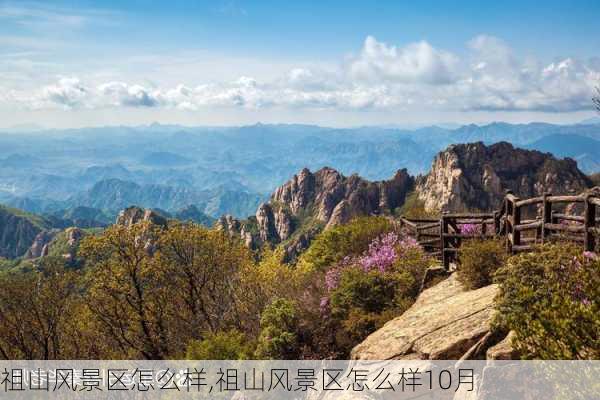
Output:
(381, 254)
(470, 229)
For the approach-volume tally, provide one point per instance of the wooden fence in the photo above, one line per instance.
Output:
(568, 218)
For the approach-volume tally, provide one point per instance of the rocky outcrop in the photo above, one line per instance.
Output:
(18, 230)
(309, 202)
(445, 322)
(334, 198)
(503, 350)
(133, 215)
(475, 177)
(40, 245)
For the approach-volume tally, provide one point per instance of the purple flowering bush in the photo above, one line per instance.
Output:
(365, 291)
(470, 229)
(551, 299)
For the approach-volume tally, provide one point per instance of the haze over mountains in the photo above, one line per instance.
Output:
(231, 170)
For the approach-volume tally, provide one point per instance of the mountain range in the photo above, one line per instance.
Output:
(462, 177)
(230, 170)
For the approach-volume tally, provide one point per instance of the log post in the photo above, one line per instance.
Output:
(508, 226)
(546, 216)
(496, 223)
(589, 221)
(516, 234)
(444, 240)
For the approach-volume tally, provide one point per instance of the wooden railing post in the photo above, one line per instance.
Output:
(497, 223)
(516, 217)
(444, 240)
(589, 221)
(546, 216)
(508, 225)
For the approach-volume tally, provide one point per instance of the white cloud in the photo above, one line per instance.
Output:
(498, 80)
(122, 94)
(66, 93)
(490, 77)
(417, 62)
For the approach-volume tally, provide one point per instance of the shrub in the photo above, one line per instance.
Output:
(415, 208)
(479, 260)
(365, 291)
(278, 338)
(550, 299)
(224, 345)
(351, 239)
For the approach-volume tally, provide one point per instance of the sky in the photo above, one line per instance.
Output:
(335, 63)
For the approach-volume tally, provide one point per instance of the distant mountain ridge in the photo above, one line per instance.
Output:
(469, 176)
(116, 194)
(225, 169)
(585, 150)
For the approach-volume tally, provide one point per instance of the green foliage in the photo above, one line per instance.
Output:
(278, 336)
(338, 242)
(36, 314)
(36, 220)
(413, 207)
(224, 345)
(479, 260)
(550, 298)
(364, 300)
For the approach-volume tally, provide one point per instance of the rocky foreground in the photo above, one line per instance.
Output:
(446, 322)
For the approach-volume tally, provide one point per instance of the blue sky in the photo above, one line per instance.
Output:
(76, 63)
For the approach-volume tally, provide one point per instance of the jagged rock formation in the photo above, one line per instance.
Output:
(309, 202)
(133, 215)
(18, 230)
(444, 323)
(475, 177)
(40, 245)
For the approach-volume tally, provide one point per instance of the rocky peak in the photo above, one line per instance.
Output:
(40, 245)
(74, 236)
(474, 176)
(133, 215)
(309, 201)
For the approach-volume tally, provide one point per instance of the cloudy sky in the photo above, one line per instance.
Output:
(344, 63)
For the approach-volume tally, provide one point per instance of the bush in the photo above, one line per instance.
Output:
(278, 338)
(351, 239)
(550, 299)
(365, 291)
(415, 208)
(479, 260)
(224, 345)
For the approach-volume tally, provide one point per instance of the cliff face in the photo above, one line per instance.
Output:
(41, 242)
(133, 215)
(475, 177)
(18, 230)
(309, 202)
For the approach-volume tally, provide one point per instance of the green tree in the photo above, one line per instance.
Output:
(338, 242)
(204, 269)
(128, 294)
(278, 336)
(226, 345)
(550, 298)
(37, 313)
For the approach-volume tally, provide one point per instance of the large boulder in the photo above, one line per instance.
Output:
(445, 322)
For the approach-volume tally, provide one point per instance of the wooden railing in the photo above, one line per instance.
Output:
(577, 220)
